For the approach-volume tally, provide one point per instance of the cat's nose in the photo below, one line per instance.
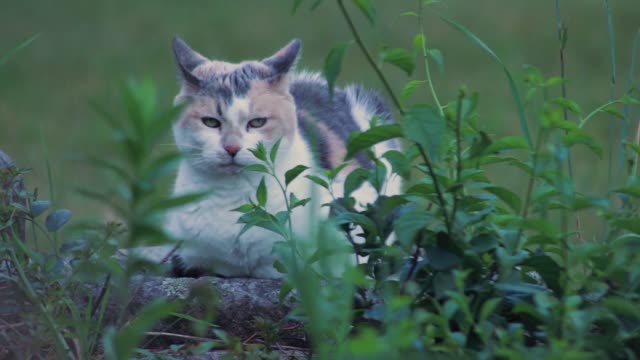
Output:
(232, 149)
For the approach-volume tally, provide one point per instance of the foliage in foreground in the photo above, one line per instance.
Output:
(476, 269)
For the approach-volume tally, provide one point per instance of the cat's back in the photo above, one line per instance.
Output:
(326, 120)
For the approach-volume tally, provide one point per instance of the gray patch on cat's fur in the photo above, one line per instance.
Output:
(227, 85)
(315, 105)
(232, 84)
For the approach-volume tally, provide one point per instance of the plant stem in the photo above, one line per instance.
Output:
(458, 152)
(45, 151)
(627, 112)
(61, 343)
(612, 88)
(562, 38)
(366, 53)
(584, 121)
(425, 56)
(436, 184)
(532, 179)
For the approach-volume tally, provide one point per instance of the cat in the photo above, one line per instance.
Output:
(229, 109)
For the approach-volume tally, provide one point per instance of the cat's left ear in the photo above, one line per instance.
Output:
(282, 61)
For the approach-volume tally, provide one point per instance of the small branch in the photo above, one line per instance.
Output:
(436, 184)
(60, 341)
(414, 264)
(100, 297)
(532, 178)
(612, 87)
(458, 153)
(180, 336)
(366, 53)
(425, 56)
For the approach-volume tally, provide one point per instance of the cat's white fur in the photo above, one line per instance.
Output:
(209, 227)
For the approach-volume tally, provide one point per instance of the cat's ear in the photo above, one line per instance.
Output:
(187, 60)
(282, 61)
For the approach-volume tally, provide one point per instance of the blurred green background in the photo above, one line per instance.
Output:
(87, 47)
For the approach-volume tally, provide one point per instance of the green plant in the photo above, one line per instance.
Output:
(477, 270)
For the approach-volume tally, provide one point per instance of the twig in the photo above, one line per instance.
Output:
(436, 184)
(532, 178)
(425, 56)
(179, 336)
(100, 297)
(245, 342)
(367, 55)
(612, 87)
(414, 264)
(60, 341)
(458, 153)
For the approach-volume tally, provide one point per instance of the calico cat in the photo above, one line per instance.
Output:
(229, 109)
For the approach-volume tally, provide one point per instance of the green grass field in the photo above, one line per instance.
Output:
(86, 48)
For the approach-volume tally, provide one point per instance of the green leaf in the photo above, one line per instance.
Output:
(424, 125)
(613, 110)
(400, 164)
(436, 55)
(582, 137)
(441, 259)
(244, 208)
(291, 174)
(261, 193)
(488, 308)
(408, 89)
(548, 271)
(483, 243)
(367, 8)
(257, 168)
(410, 13)
(569, 105)
(122, 343)
(39, 206)
(506, 143)
(370, 137)
(57, 219)
(410, 224)
(274, 150)
(512, 85)
(509, 197)
(399, 57)
(333, 63)
(17, 49)
(173, 202)
(295, 202)
(296, 5)
(260, 152)
(622, 306)
(354, 180)
(480, 145)
(332, 173)
(285, 289)
(348, 217)
(318, 180)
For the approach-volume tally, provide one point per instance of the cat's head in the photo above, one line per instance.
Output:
(230, 107)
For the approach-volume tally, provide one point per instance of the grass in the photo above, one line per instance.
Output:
(84, 47)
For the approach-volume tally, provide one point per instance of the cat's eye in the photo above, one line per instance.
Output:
(257, 122)
(211, 121)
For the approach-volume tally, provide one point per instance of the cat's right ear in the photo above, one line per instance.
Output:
(187, 60)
